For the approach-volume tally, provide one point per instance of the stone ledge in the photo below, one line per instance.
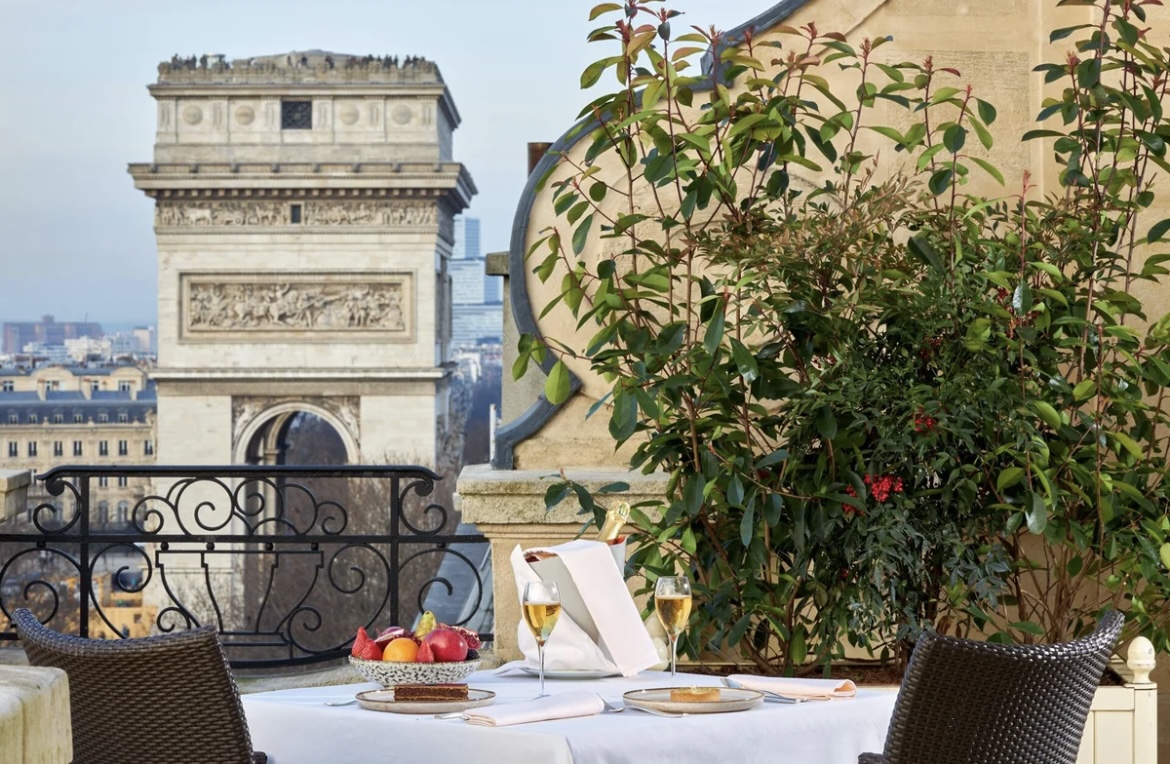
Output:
(35, 723)
(488, 496)
(13, 492)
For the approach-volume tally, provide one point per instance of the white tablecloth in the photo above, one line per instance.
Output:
(296, 727)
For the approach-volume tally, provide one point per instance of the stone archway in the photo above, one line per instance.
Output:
(262, 433)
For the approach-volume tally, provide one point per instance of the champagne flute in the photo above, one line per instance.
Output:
(542, 608)
(672, 603)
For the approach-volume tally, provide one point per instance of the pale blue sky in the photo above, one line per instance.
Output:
(75, 236)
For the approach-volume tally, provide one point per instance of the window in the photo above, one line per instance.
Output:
(103, 512)
(94, 386)
(103, 417)
(104, 448)
(32, 448)
(32, 418)
(58, 448)
(148, 448)
(103, 482)
(78, 417)
(13, 419)
(296, 115)
(124, 386)
(13, 449)
(7, 386)
(77, 448)
(294, 213)
(123, 512)
(52, 384)
(123, 481)
(58, 419)
(123, 448)
(123, 417)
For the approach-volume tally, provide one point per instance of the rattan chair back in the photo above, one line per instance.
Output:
(965, 702)
(169, 699)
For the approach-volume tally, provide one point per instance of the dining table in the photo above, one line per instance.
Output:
(308, 726)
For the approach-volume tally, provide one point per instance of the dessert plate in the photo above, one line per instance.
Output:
(383, 700)
(566, 674)
(659, 700)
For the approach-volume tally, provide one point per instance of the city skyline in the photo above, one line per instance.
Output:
(78, 113)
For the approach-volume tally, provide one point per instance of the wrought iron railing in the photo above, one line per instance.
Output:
(286, 562)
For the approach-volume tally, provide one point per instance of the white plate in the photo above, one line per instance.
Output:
(383, 700)
(587, 674)
(729, 700)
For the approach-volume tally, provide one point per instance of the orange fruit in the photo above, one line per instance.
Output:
(401, 650)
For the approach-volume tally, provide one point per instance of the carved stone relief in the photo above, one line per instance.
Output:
(192, 115)
(245, 115)
(246, 409)
(314, 213)
(329, 304)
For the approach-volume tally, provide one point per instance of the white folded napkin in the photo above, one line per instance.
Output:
(622, 643)
(562, 706)
(810, 689)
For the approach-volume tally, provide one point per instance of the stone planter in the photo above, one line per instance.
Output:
(1123, 721)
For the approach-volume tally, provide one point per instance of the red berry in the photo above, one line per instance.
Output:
(425, 654)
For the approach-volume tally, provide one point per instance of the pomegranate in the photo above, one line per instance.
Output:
(448, 645)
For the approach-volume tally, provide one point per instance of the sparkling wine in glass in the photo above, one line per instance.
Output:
(542, 608)
(672, 603)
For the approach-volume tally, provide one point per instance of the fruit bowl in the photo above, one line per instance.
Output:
(390, 673)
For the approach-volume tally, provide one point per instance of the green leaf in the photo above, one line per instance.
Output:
(1038, 515)
(940, 181)
(745, 362)
(954, 138)
(555, 494)
(576, 212)
(1084, 390)
(1128, 443)
(1158, 231)
(1008, 478)
(1164, 553)
(826, 423)
(983, 133)
(735, 491)
(598, 191)
(714, 336)
(773, 458)
(618, 487)
(987, 112)
(1028, 628)
(556, 387)
(693, 494)
(978, 333)
(989, 168)
(603, 8)
(581, 234)
(1046, 412)
(747, 526)
(797, 650)
(921, 247)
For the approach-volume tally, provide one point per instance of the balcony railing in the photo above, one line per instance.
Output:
(285, 562)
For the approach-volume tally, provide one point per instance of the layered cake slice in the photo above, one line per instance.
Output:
(429, 692)
(694, 694)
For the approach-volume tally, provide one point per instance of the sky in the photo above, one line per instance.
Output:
(75, 236)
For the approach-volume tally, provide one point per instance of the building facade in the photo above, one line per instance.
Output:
(477, 309)
(75, 415)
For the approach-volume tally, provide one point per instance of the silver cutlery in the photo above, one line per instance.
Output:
(610, 708)
(768, 694)
(349, 702)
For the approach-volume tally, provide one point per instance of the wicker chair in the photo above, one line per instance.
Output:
(964, 702)
(169, 699)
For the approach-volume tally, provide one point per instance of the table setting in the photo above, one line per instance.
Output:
(586, 692)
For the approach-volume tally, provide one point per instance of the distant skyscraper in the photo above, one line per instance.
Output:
(45, 332)
(466, 239)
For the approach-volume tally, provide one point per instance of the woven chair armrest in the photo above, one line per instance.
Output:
(871, 758)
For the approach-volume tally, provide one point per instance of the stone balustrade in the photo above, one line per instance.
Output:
(35, 726)
(13, 492)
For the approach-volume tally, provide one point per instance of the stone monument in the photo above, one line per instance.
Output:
(304, 208)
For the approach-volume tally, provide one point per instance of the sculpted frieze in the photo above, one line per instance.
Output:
(313, 213)
(278, 305)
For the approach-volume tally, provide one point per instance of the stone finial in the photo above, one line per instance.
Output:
(1140, 660)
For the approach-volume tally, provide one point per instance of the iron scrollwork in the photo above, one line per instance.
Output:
(286, 562)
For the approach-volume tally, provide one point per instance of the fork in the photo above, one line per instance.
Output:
(349, 702)
(610, 708)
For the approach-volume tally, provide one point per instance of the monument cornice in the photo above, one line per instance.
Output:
(297, 374)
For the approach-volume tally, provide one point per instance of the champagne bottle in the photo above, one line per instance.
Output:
(615, 518)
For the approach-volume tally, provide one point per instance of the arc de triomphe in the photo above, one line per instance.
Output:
(303, 216)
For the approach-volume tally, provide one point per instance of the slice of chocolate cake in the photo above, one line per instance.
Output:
(429, 692)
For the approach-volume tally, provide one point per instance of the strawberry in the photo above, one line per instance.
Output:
(364, 647)
(425, 654)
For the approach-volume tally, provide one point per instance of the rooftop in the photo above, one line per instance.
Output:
(299, 66)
